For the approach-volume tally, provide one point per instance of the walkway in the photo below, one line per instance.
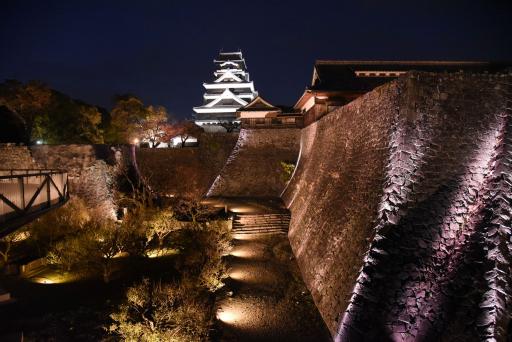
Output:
(27, 194)
(265, 297)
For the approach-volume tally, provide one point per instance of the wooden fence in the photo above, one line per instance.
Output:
(26, 194)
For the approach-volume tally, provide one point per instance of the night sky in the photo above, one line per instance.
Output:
(162, 51)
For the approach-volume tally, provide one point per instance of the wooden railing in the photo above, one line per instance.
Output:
(26, 194)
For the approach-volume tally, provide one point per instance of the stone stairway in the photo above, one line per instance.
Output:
(261, 223)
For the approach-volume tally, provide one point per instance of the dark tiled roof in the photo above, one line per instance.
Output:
(340, 75)
(258, 104)
(235, 57)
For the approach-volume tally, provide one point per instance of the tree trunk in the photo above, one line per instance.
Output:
(106, 273)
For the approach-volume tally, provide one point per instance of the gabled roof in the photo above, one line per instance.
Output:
(259, 104)
(229, 76)
(227, 94)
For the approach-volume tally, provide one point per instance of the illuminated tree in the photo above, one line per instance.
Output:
(215, 246)
(162, 312)
(161, 224)
(91, 249)
(193, 209)
(155, 128)
(126, 119)
(7, 242)
(186, 130)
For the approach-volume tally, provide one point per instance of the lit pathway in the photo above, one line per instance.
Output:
(269, 300)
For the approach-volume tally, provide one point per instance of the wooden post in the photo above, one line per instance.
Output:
(48, 199)
(22, 192)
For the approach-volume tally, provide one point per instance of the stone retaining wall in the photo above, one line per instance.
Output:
(254, 167)
(92, 170)
(16, 157)
(189, 171)
(401, 211)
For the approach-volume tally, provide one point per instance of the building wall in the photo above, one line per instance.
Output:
(254, 166)
(401, 210)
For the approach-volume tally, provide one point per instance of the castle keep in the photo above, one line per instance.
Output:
(231, 89)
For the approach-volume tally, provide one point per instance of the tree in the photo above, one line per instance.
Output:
(161, 224)
(230, 126)
(49, 115)
(193, 209)
(30, 101)
(69, 121)
(107, 243)
(89, 121)
(218, 243)
(12, 129)
(186, 130)
(126, 119)
(162, 312)
(49, 228)
(93, 248)
(155, 128)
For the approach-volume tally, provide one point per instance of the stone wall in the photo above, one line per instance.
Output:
(254, 167)
(16, 157)
(401, 211)
(187, 171)
(92, 170)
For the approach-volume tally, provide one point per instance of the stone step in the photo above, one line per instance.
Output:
(261, 221)
(263, 215)
(261, 224)
(260, 228)
(264, 219)
(261, 232)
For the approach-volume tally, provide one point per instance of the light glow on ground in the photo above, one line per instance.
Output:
(228, 316)
(238, 275)
(54, 279)
(242, 252)
(245, 236)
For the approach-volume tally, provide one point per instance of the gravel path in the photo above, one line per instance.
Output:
(269, 301)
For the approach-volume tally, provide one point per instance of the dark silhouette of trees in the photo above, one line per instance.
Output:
(48, 115)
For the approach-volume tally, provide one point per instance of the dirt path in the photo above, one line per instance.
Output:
(269, 301)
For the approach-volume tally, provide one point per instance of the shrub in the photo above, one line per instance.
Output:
(162, 312)
(288, 169)
(52, 226)
(91, 249)
(7, 243)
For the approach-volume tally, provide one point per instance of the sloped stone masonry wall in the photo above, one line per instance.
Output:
(432, 258)
(186, 171)
(254, 167)
(334, 193)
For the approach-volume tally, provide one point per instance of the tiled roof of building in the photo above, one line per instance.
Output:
(366, 75)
